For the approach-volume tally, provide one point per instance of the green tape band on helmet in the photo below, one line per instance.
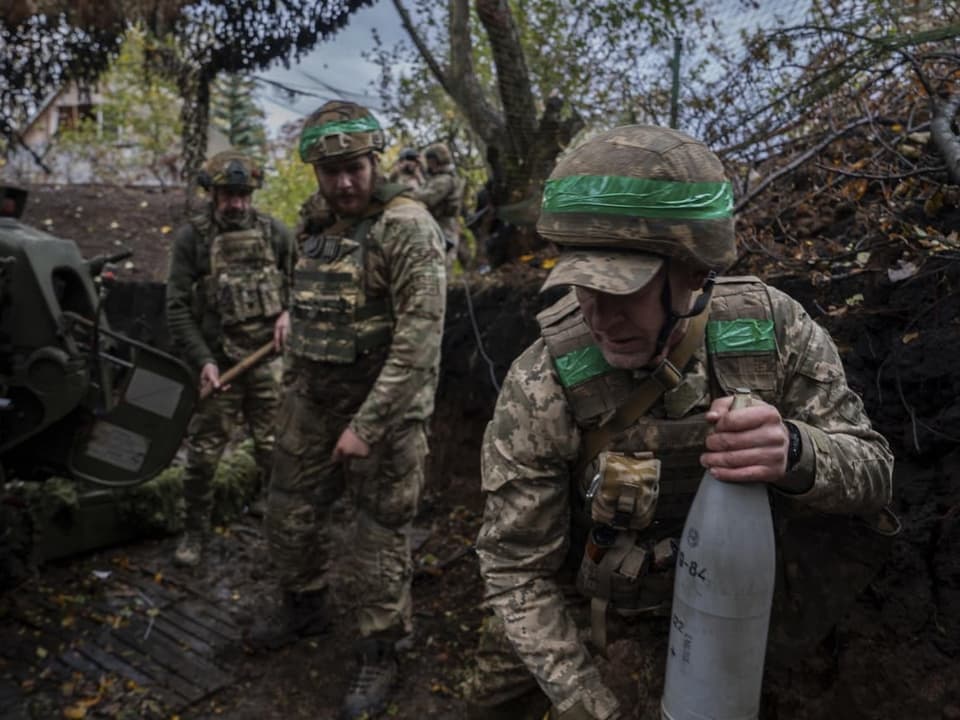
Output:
(740, 336)
(358, 125)
(639, 197)
(580, 365)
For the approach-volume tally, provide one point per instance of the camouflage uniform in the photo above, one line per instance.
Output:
(401, 173)
(366, 324)
(442, 193)
(536, 521)
(225, 288)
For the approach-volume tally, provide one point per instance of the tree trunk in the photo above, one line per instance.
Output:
(944, 138)
(195, 118)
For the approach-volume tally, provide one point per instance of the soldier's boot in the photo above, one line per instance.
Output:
(189, 552)
(371, 687)
(299, 614)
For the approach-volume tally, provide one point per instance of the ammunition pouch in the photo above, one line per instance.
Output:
(633, 576)
(241, 298)
(624, 490)
(332, 319)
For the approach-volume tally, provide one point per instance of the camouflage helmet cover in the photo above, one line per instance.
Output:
(439, 152)
(339, 130)
(231, 168)
(637, 188)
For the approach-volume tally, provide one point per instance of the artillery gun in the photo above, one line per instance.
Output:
(77, 399)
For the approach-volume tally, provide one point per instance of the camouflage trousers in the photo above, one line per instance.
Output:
(385, 487)
(254, 396)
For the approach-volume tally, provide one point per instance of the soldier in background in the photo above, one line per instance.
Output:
(227, 294)
(643, 216)
(409, 170)
(442, 193)
(364, 351)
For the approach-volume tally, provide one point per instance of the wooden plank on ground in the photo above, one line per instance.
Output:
(194, 670)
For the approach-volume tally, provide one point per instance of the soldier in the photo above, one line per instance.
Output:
(442, 193)
(366, 325)
(408, 171)
(643, 217)
(227, 293)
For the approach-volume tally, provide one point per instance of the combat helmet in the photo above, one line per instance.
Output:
(439, 152)
(409, 153)
(231, 168)
(628, 198)
(339, 130)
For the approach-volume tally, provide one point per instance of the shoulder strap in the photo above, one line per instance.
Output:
(667, 376)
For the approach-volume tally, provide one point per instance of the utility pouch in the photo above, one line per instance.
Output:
(624, 490)
(618, 575)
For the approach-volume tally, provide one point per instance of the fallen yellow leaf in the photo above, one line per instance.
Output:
(166, 230)
(910, 337)
(548, 263)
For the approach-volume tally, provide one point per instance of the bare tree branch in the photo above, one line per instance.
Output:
(422, 47)
(797, 162)
(873, 176)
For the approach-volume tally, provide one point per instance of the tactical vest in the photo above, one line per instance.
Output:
(243, 286)
(741, 351)
(333, 316)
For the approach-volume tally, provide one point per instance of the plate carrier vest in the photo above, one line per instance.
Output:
(244, 286)
(333, 318)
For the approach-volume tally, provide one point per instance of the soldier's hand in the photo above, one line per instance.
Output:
(281, 329)
(209, 378)
(749, 444)
(350, 445)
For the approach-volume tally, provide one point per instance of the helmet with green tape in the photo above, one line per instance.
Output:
(641, 188)
(339, 130)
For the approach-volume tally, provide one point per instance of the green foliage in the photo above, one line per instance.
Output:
(286, 185)
(600, 56)
(234, 112)
(47, 44)
(137, 124)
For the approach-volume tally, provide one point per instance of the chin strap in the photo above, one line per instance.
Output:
(672, 318)
(666, 376)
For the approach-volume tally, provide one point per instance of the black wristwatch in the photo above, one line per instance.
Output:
(796, 445)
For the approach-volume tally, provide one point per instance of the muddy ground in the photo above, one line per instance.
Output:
(895, 655)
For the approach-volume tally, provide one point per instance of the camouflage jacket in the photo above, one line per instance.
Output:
(192, 319)
(534, 440)
(403, 263)
(441, 194)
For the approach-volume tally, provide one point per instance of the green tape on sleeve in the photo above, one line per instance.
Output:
(580, 365)
(638, 197)
(740, 336)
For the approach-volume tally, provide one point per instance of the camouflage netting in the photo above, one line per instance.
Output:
(56, 518)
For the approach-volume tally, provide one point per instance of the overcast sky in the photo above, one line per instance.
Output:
(334, 69)
(337, 69)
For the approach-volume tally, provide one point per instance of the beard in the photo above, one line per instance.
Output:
(233, 219)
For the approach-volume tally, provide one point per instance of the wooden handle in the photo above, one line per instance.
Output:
(241, 367)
